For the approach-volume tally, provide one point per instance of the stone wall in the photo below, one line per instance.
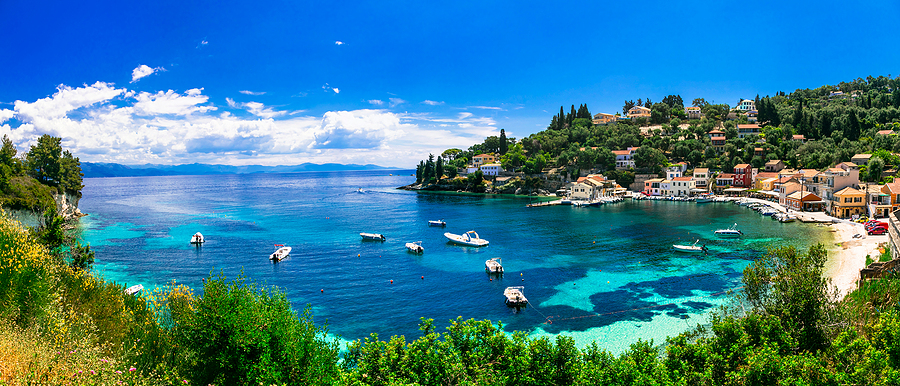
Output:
(894, 235)
(878, 268)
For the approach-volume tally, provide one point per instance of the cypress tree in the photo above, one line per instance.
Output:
(439, 168)
(571, 117)
(562, 118)
(504, 146)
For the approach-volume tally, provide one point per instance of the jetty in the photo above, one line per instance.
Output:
(515, 296)
(544, 203)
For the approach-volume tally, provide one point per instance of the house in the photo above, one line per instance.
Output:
(482, 159)
(835, 179)
(848, 202)
(674, 171)
(652, 187)
(718, 143)
(883, 199)
(625, 158)
(682, 186)
(638, 112)
(724, 181)
(592, 187)
(491, 169)
(759, 152)
(752, 116)
(774, 165)
(743, 175)
(765, 184)
(701, 178)
(748, 130)
(798, 137)
(861, 159)
(746, 105)
(885, 132)
(757, 180)
(715, 133)
(693, 112)
(785, 190)
(603, 118)
(836, 94)
(665, 187)
(804, 201)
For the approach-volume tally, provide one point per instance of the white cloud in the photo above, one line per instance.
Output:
(339, 43)
(170, 102)
(376, 102)
(142, 71)
(432, 103)
(485, 107)
(396, 101)
(336, 90)
(254, 93)
(101, 123)
(256, 108)
(328, 88)
(6, 115)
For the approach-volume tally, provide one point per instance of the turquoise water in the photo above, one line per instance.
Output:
(605, 274)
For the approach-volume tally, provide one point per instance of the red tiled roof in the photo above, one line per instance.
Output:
(718, 138)
(682, 179)
(621, 152)
(725, 175)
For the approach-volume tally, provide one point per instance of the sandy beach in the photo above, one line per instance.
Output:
(848, 254)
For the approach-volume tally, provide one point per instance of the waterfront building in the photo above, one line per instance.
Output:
(743, 175)
(682, 186)
(491, 169)
(723, 181)
(673, 172)
(848, 202)
(701, 178)
(786, 189)
(804, 201)
(592, 187)
(832, 180)
(652, 187)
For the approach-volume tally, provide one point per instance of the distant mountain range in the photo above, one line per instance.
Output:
(91, 169)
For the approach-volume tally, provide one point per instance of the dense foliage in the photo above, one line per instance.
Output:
(30, 181)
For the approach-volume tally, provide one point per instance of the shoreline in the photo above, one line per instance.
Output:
(848, 255)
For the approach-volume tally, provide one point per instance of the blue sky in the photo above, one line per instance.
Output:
(287, 82)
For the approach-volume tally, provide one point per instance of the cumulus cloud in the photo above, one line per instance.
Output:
(171, 102)
(142, 71)
(338, 43)
(254, 93)
(376, 102)
(102, 123)
(256, 108)
(432, 103)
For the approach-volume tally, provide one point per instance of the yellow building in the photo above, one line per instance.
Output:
(638, 112)
(603, 118)
(847, 202)
(482, 159)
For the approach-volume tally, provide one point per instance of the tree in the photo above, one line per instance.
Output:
(674, 101)
(659, 113)
(439, 168)
(629, 104)
(70, 175)
(451, 154)
(428, 171)
(514, 158)
(504, 146)
(875, 167)
(43, 160)
(699, 102)
(420, 172)
(649, 157)
(647, 103)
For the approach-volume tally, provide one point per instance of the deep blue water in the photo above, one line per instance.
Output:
(605, 274)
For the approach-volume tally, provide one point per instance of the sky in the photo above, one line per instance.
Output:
(388, 82)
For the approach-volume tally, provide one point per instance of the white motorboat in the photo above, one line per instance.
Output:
(729, 232)
(372, 236)
(787, 217)
(469, 238)
(437, 223)
(515, 296)
(280, 253)
(415, 247)
(704, 198)
(693, 248)
(494, 265)
(197, 238)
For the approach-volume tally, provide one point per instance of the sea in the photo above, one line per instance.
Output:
(604, 274)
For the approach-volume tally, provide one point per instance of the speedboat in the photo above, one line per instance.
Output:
(437, 223)
(493, 265)
(469, 238)
(415, 247)
(787, 217)
(197, 238)
(280, 253)
(693, 248)
(372, 236)
(515, 296)
(704, 198)
(729, 232)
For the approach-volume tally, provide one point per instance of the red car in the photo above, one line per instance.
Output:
(878, 231)
(876, 225)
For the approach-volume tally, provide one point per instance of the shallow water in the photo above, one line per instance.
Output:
(605, 274)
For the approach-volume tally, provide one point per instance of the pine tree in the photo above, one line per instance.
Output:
(648, 104)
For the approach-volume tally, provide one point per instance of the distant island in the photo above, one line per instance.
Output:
(94, 170)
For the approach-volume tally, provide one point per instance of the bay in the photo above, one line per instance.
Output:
(605, 274)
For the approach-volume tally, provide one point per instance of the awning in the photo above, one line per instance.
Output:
(735, 190)
(698, 190)
(769, 193)
(814, 202)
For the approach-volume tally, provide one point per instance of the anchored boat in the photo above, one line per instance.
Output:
(729, 232)
(469, 238)
(515, 296)
(372, 236)
(415, 247)
(493, 265)
(693, 248)
(437, 223)
(280, 253)
(197, 238)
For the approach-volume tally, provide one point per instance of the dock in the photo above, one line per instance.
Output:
(544, 203)
(515, 296)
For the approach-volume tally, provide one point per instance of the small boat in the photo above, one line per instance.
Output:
(197, 238)
(280, 253)
(134, 289)
(704, 198)
(729, 232)
(693, 248)
(437, 223)
(372, 236)
(786, 217)
(493, 265)
(469, 238)
(515, 296)
(415, 247)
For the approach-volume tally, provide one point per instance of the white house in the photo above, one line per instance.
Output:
(682, 186)
(625, 158)
(491, 169)
(746, 105)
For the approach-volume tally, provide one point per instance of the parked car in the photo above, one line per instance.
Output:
(876, 224)
(878, 231)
